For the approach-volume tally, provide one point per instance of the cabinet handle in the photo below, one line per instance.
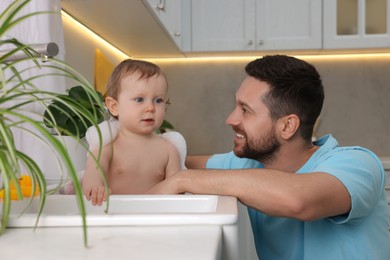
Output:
(177, 34)
(250, 42)
(261, 42)
(161, 5)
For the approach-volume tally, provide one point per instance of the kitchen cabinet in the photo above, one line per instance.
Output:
(223, 25)
(230, 25)
(274, 25)
(356, 24)
(247, 25)
(169, 14)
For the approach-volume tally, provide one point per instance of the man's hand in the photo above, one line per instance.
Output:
(168, 186)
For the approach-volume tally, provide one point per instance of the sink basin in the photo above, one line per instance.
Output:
(127, 210)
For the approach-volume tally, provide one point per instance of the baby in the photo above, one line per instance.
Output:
(138, 158)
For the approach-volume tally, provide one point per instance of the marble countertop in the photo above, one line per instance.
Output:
(134, 242)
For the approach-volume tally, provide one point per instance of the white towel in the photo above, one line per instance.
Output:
(109, 130)
(180, 143)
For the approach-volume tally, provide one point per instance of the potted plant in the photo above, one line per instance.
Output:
(59, 117)
(64, 119)
(17, 90)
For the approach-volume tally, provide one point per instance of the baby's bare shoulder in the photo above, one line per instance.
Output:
(106, 150)
(163, 142)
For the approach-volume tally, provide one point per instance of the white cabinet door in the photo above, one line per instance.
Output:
(232, 25)
(169, 14)
(289, 25)
(227, 25)
(356, 24)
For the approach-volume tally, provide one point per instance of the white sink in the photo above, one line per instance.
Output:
(128, 210)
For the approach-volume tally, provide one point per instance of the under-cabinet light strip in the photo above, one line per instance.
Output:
(92, 34)
(318, 57)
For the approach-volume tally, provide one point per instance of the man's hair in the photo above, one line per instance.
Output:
(127, 67)
(295, 88)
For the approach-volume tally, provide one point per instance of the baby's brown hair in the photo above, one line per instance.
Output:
(127, 67)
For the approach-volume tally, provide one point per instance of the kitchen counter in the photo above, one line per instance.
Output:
(133, 242)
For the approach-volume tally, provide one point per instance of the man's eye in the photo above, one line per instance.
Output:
(244, 111)
(138, 99)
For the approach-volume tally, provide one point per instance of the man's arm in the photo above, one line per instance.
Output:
(302, 196)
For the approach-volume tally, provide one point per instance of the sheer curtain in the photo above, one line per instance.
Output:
(39, 29)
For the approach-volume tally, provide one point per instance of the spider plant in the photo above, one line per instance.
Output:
(17, 91)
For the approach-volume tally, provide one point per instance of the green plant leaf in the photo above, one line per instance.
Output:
(17, 90)
(74, 121)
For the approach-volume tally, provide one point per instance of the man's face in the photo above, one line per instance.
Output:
(255, 135)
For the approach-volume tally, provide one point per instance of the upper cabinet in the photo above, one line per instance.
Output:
(169, 14)
(223, 25)
(232, 25)
(274, 25)
(356, 24)
(288, 25)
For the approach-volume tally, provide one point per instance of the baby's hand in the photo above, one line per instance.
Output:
(97, 195)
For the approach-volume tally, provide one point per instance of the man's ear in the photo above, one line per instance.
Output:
(289, 126)
(112, 106)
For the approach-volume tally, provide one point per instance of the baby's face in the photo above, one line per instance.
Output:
(142, 103)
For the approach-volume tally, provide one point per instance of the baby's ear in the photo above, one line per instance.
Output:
(112, 106)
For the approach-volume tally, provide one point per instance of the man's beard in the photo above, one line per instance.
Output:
(262, 149)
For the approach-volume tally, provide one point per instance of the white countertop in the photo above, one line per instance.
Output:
(135, 242)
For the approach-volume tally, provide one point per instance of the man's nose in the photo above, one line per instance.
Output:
(232, 119)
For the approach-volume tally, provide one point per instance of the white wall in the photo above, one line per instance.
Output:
(80, 48)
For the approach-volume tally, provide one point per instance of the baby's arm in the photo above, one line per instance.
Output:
(173, 165)
(93, 185)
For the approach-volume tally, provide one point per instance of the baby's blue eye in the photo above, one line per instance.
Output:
(139, 100)
(158, 100)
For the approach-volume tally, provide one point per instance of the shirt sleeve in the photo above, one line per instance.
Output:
(362, 174)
